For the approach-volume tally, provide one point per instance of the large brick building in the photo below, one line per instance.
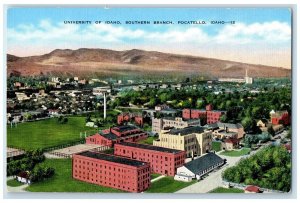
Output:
(162, 160)
(208, 114)
(111, 171)
(172, 122)
(117, 134)
(127, 117)
(194, 140)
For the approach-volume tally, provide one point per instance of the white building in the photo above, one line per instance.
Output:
(199, 167)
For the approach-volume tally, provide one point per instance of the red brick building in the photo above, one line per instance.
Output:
(210, 115)
(280, 117)
(127, 117)
(117, 134)
(111, 171)
(162, 160)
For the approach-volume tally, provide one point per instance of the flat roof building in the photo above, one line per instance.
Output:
(111, 171)
(194, 140)
(162, 160)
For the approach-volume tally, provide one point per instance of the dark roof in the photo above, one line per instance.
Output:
(111, 158)
(150, 147)
(187, 130)
(109, 136)
(222, 125)
(198, 165)
(125, 128)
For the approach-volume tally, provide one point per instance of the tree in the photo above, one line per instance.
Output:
(271, 130)
(247, 123)
(65, 120)
(88, 118)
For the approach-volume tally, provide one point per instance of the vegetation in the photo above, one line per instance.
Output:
(241, 106)
(41, 173)
(216, 146)
(249, 140)
(226, 190)
(14, 183)
(63, 175)
(27, 163)
(240, 152)
(167, 185)
(149, 140)
(46, 133)
(268, 168)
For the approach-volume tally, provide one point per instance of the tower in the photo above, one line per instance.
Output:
(248, 80)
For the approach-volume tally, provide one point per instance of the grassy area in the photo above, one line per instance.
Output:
(149, 140)
(46, 133)
(62, 180)
(167, 185)
(14, 183)
(241, 152)
(154, 175)
(216, 146)
(226, 190)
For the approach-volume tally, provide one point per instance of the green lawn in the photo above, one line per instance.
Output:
(149, 140)
(241, 152)
(62, 180)
(216, 146)
(14, 183)
(167, 185)
(154, 175)
(226, 190)
(46, 133)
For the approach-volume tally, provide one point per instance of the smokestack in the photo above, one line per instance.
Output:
(104, 105)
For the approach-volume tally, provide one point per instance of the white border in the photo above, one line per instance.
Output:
(180, 197)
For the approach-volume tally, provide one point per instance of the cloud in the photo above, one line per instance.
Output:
(270, 32)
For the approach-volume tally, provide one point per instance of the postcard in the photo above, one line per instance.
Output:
(148, 100)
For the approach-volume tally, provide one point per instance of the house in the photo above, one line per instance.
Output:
(111, 171)
(23, 177)
(199, 167)
(252, 189)
(280, 117)
(230, 144)
(127, 117)
(162, 160)
(263, 124)
(232, 130)
(194, 140)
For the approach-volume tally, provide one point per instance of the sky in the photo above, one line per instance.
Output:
(258, 35)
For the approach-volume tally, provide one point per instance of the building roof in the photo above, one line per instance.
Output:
(187, 130)
(232, 140)
(125, 128)
(112, 158)
(151, 147)
(202, 163)
(109, 136)
(252, 188)
(224, 125)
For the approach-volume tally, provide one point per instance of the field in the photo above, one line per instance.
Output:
(46, 133)
(241, 152)
(167, 185)
(14, 183)
(62, 181)
(226, 190)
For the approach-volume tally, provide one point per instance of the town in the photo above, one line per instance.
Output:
(189, 135)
